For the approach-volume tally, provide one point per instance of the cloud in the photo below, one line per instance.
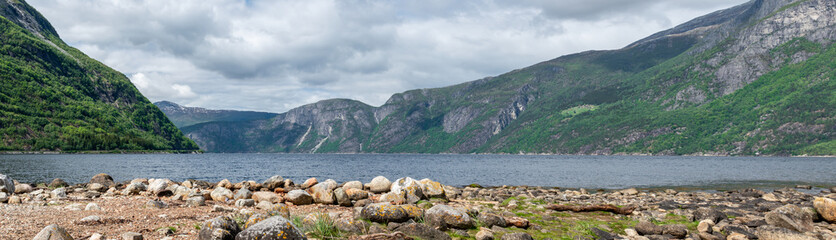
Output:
(273, 55)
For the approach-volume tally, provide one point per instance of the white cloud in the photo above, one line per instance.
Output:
(278, 54)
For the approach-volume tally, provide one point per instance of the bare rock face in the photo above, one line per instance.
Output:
(273, 228)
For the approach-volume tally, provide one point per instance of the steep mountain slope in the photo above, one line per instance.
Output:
(752, 79)
(183, 116)
(53, 97)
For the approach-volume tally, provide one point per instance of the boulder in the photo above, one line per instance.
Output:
(92, 207)
(677, 230)
(410, 188)
(224, 184)
(245, 203)
(270, 197)
(517, 236)
(299, 197)
(484, 234)
(489, 220)
(324, 192)
(767, 232)
(7, 184)
(196, 201)
(432, 189)
(53, 232)
(158, 187)
(91, 219)
(96, 187)
(23, 188)
(131, 236)
(443, 217)
(273, 182)
(102, 179)
(309, 183)
(134, 188)
(790, 217)
(221, 194)
(826, 207)
(273, 228)
(705, 226)
(413, 211)
(384, 213)
(60, 193)
(219, 228)
(58, 183)
(353, 185)
(422, 231)
(243, 193)
(155, 204)
(356, 194)
(647, 228)
(517, 222)
(342, 198)
(392, 197)
(4, 197)
(380, 184)
(350, 225)
(709, 213)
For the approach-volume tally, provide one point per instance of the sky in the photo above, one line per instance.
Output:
(275, 55)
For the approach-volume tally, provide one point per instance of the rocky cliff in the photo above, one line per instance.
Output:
(752, 79)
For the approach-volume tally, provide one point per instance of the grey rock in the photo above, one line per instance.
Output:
(484, 234)
(92, 207)
(132, 236)
(273, 182)
(158, 187)
(221, 194)
(196, 201)
(20, 188)
(221, 228)
(270, 197)
(103, 179)
(156, 204)
(4, 197)
(432, 189)
(517, 236)
(134, 188)
(309, 183)
(790, 217)
(380, 184)
(350, 225)
(273, 228)
(410, 188)
(53, 232)
(245, 203)
(767, 232)
(647, 228)
(243, 194)
(676, 230)
(324, 192)
(59, 193)
(342, 198)
(356, 194)
(91, 219)
(422, 231)
(709, 213)
(489, 220)
(353, 185)
(384, 213)
(98, 187)
(299, 197)
(58, 183)
(7, 184)
(443, 216)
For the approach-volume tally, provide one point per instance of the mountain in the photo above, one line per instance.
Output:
(55, 98)
(755, 79)
(183, 116)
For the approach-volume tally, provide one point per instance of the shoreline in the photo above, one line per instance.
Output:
(510, 154)
(165, 209)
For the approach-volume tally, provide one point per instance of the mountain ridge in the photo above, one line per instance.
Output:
(55, 98)
(663, 94)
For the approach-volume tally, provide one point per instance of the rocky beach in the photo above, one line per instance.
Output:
(404, 208)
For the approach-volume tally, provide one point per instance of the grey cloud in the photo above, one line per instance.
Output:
(274, 55)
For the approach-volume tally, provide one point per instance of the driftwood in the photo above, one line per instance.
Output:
(593, 208)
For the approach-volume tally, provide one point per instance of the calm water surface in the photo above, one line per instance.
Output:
(608, 172)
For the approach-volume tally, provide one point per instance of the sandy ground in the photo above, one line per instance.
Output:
(120, 215)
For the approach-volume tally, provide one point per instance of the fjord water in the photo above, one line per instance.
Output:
(605, 172)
